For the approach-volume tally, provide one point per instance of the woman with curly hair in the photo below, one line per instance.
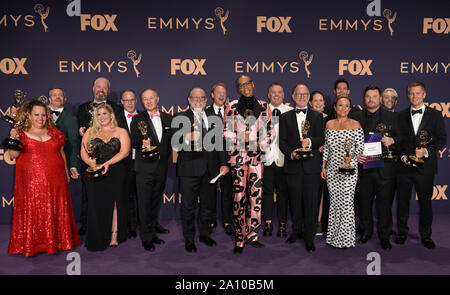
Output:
(43, 218)
(107, 201)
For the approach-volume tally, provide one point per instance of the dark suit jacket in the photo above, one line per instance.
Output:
(122, 122)
(84, 117)
(390, 119)
(433, 123)
(197, 163)
(290, 140)
(68, 125)
(210, 113)
(164, 146)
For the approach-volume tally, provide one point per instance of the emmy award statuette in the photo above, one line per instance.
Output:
(151, 152)
(305, 152)
(423, 138)
(347, 168)
(14, 143)
(97, 170)
(386, 132)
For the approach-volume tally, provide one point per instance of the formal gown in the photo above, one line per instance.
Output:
(43, 218)
(102, 193)
(341, 218)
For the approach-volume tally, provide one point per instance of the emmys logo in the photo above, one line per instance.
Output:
(438, 25)
(355, 67)
(172, 199)
(373, 10)
(424, 67)
(443, 107)
(132, 56)
(445, 151)
(171, 110)
(187, 66)
(222, 18)
(5, 202)
(275, 66)
(13, 66)
(28, 19)
(307, 61)
(189, 23)
(438, 193)
(273, 24)
(98, 22)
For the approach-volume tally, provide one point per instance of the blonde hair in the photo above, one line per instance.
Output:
(95, 129)
(22, 118)
(392, 90)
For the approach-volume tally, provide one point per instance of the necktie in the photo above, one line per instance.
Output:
(300, 110)
(220, 113)
(157, 114)
(413, 112)
(131, 115)
(55, 112)
(276, 112)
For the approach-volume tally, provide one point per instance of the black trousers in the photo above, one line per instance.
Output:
(371, 186)
(149, 188)
(423, 185)
(323, 188)
(226, 199)
(303, 199)
(274, 180)
(191, 188)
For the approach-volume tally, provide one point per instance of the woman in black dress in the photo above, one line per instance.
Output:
(107, 205)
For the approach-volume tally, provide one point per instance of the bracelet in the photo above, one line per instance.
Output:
(324, 167)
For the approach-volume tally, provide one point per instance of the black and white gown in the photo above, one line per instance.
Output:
(341, 222)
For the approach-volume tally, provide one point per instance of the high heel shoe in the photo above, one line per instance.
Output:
(113, 245)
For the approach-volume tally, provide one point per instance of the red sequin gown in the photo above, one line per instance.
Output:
(43, 218)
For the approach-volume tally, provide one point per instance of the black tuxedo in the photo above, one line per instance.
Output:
(130, 182)
(303, 176)
(225, 182)
(195, 170)
(84, 120)
(379, 182)
(421, 178)
(151, 174)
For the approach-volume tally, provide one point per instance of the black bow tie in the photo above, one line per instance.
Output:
(276, 112)
(55, 112)
(300, 110)
(413, 112)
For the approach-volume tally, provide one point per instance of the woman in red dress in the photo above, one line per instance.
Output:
(43, 218)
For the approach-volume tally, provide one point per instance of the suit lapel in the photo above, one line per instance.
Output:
(425, 119)
(409, 121)
(152, 128)
(294, 120)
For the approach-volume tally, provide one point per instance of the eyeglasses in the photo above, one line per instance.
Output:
(301, 94)
(197, 97)
(245, 84)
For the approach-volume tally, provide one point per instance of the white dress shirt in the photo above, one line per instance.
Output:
(417, 118)
(55, 117)
(216, 109)
(273, 153)
(158, 126)
(133, 151)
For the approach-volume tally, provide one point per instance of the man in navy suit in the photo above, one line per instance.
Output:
(416, 119)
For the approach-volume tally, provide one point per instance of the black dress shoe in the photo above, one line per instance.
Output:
(282, 230)
(292, 238)
(310, 247)
(255, 244)
(428, 243)
(386, 245)
(238, 250)
(207, 241)
(132, 234)
(190, 246)
(161, 230)
(148, 246)
(157, 240)
(229, 230)
(82, 231)
(363, 239)
(268, 229)
(400, 239)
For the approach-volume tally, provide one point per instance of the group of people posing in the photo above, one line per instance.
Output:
(259, 153)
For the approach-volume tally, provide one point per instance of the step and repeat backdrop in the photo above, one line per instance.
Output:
(173, 46)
